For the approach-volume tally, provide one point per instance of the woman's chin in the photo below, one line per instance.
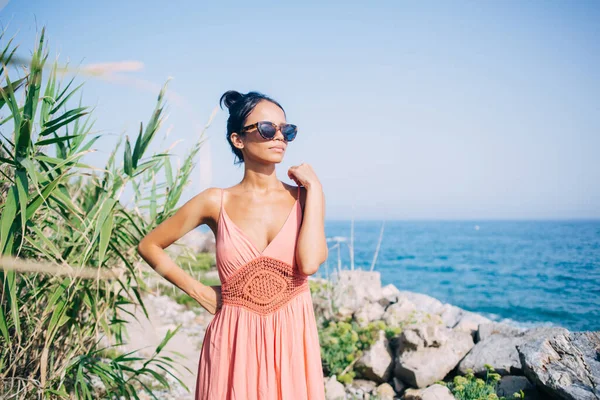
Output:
(276, 158)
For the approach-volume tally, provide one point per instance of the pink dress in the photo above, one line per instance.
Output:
(263, 343)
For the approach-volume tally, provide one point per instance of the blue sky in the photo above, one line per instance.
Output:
(406, 110)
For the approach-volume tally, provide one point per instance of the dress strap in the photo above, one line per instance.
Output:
(298, 192)
(221, 208)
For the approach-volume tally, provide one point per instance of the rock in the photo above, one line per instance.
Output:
(496, 328)
(434, 392)
(369, 312)
(398, 313)
(365, 385)
(470, 321)
(377, 362)
(500, 352)
(423, 302)
(423, 336)
(427, 307)
(565, 365)
(510, 385)
(399, 386)
(353, 288)
(361, 388)
(385, 392)
(334, 390)
(389, 294)
(322, 304)
(427, 354)
(451, 315)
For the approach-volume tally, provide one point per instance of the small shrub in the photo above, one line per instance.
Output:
(344, 342)
(469, 387)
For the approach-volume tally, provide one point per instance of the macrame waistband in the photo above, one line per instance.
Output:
(263, 285)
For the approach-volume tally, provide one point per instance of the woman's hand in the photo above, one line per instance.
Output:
(209, 297)
(304, 175)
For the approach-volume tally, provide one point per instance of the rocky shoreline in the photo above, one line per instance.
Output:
(440, 341)
(437, 343)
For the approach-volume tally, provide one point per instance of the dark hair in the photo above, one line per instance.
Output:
(240, 106)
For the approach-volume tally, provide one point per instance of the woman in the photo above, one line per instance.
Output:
(262, 342)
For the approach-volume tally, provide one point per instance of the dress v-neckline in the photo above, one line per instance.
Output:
(260, 253)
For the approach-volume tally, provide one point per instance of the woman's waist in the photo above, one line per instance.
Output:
(263, 306)
(263, 284)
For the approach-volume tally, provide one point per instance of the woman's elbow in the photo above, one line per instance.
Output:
(310, 267)
(142, 247)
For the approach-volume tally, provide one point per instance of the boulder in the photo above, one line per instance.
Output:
(496, 328)
(500, 351)
(361, 388)
(470, 321)
(377, 362)
(565, 365)
(427, 353)
(451, 315)
(369, 312)
(385, 392)
(423, 302)
(321, 299)
(389, 294)
(364, 385)
(434, 392)
(352, 289)
(422, 336)
(397, 314)
(334, 390)
(509, 385)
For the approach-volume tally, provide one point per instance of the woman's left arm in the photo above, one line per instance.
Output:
(311, 249)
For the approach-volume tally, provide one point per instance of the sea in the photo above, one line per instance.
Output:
(526, 273)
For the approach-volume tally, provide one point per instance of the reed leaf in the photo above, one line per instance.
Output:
(63, 220)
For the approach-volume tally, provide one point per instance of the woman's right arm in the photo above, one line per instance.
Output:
(201, 209)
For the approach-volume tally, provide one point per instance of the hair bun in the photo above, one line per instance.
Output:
(230, 97)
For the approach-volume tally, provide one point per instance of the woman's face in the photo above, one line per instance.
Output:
(257, 148)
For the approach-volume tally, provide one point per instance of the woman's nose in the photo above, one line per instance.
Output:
(278, 133)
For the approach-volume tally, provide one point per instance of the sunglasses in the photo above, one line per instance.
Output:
(267, 130)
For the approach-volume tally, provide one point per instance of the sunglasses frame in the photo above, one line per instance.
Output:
(280, 127)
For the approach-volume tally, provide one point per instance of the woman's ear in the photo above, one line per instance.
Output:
(236, 140)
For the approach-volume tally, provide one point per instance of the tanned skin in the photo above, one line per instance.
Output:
(258, 205)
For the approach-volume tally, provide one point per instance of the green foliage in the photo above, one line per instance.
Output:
(195, 263)
(344, 342)
(317, 286)
(469, 387)
(56, 209)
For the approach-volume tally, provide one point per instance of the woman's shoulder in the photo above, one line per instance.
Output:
(210, 194)
(208, 201)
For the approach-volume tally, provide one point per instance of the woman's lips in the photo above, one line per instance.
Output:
(278, 149)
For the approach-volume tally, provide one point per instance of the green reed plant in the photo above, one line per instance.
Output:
(55, 208)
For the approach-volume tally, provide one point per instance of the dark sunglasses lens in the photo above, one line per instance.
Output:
(267, 130)
(289, 131)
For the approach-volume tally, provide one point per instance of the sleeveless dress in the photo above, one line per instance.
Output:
(263, 343)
